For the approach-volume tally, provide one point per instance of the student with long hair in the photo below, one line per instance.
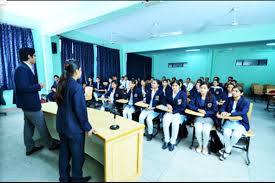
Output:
(206, 104)
(176, 102)
(133, 95)
(154, 97)
(71, 123)
(237, 105)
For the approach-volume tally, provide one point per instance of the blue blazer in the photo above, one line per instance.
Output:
(137, 95)
(178, 103)
(158, 98)
(26, 89)
(242, 109)
(210, 106)
(194, 92)
(218, 93)
(100, 86)
(224, 95)
(168, 90)
(72, 115)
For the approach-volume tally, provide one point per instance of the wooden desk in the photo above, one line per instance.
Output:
(233, 118)
(141, 104)
(120, 151)
(102, 99)
(163, 108)
(194, 113)
(122, 101)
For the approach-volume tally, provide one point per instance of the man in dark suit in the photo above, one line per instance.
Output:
(51, 95)
(27, 98)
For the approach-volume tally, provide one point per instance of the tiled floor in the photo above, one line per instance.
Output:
(182, 164)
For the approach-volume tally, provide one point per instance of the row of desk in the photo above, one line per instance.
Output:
(119, 151)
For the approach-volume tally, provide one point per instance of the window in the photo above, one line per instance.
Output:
(251, 62)
(179, 64)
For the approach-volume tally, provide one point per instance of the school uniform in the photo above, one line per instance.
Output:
(217, 92)
(233, 130)
(132, 96)
(27, 98)
(188, 86)
(194, 93)
(114, 95)
(226, 95)
(71, 125)
(153, 99)
(51, 95)
(204, 124)
(144, 91)
(98, 86)
(178, 102)
(167, 91)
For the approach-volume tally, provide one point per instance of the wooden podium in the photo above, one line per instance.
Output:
(119, 151)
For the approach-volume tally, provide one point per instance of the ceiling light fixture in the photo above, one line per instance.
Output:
(270, 44)
(192, 50)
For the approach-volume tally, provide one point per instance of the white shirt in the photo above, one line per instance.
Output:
(152, 97)
(30, 66)
(188, 86)
(127, 84)
(112, 95)
(174, 94)
(131, 100)
(229, 94)
(234, 106)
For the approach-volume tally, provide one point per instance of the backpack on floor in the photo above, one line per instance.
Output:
(215, 143)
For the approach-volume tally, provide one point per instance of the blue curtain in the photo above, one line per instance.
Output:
(66, 50)
(84, 53)
(139, 66)
(12, 38)
(108, 62)
(81, 51)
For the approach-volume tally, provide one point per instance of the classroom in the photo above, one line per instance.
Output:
(142, 91)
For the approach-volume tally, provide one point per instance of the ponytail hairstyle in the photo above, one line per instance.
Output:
(209, 94)
(70, 67)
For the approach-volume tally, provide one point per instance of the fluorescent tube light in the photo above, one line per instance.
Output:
(192, 50)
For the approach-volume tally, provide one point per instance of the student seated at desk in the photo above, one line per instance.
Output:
(206, 104)
(109, 86)
(167, 90)
(133, 95)
(97, 86)
(51, 95)
(196, 89)
(114, 94)
(188, 84)
(143, 89)
(236, 105)
(177, 103)
(227, 92)
(154, 97)
(216, 90)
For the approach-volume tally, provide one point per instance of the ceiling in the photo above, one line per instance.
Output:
(186, 16)
(57, 15)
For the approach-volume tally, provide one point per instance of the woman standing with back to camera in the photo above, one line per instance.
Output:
(71, 123)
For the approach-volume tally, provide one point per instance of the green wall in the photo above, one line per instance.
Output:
(218, 61)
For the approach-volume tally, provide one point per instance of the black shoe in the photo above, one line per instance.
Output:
(149, 137)
(34, 150)
(86, 179)
(55, 145)
(171, 147)
(165, 145)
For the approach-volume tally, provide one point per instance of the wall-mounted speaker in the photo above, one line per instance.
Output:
(54, 47)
